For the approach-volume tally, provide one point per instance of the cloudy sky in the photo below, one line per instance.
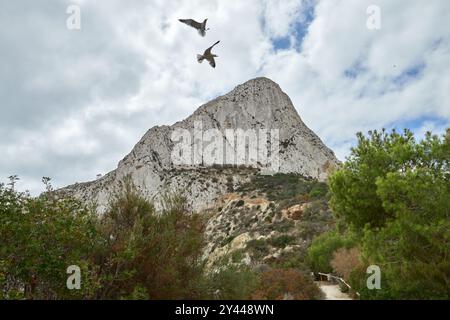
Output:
(74, 102)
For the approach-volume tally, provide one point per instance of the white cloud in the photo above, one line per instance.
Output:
(336, 106)
(279, 16)
(81, 100)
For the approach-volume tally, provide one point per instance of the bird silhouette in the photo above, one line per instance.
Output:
(200, 26)
(207, 55)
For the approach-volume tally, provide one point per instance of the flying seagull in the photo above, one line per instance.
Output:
(208, 56)
(200, 26)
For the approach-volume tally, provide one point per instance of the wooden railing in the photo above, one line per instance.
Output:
(330, 276)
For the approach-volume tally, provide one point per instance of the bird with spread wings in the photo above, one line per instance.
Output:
(200, 26)
(207, 55)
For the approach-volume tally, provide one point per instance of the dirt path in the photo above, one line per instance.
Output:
(332, 291)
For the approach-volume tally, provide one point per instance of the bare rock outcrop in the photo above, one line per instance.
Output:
(258, 105)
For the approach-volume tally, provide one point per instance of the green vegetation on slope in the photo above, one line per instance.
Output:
(390, 201)
(283, 186)
(130, 252)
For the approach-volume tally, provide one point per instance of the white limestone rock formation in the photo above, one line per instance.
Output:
(258, 104)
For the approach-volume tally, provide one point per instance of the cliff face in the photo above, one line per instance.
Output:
(202, 156)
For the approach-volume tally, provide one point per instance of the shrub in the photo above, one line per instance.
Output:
(259, 247)
(345, 261)
(282, 241)
(279, 284)
(131, 252)
(226, 241)
(319, 190)
(280, 186)
(149, 254)
(237, 255)
(240, 203)
(320, 253)
(292, 260)
(40, 238)
(283, 226)
(232, 282)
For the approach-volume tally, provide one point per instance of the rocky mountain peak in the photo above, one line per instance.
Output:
(259, 101)
(257, 109)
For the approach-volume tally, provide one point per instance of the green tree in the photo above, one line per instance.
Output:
(354, 188)
(414, 249)
(148, 254)
(413, 257)
(321, 251)
(40, 238)
(130, 252)
(395, 192)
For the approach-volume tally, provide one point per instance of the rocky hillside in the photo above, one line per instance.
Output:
(258, 105)
(269, 221)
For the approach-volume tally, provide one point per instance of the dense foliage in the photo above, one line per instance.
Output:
(393, 195)
(371, 186)
(150, 255)
(41, 237)
(287, 284)
(129, 252)
(282, 187)
(390, 199)
(321, 251)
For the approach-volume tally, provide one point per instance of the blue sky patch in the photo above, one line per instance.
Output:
(417, 123)
(299, 29)
(409, 74)
(301, 26)
(354, 71)
(281, 43)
